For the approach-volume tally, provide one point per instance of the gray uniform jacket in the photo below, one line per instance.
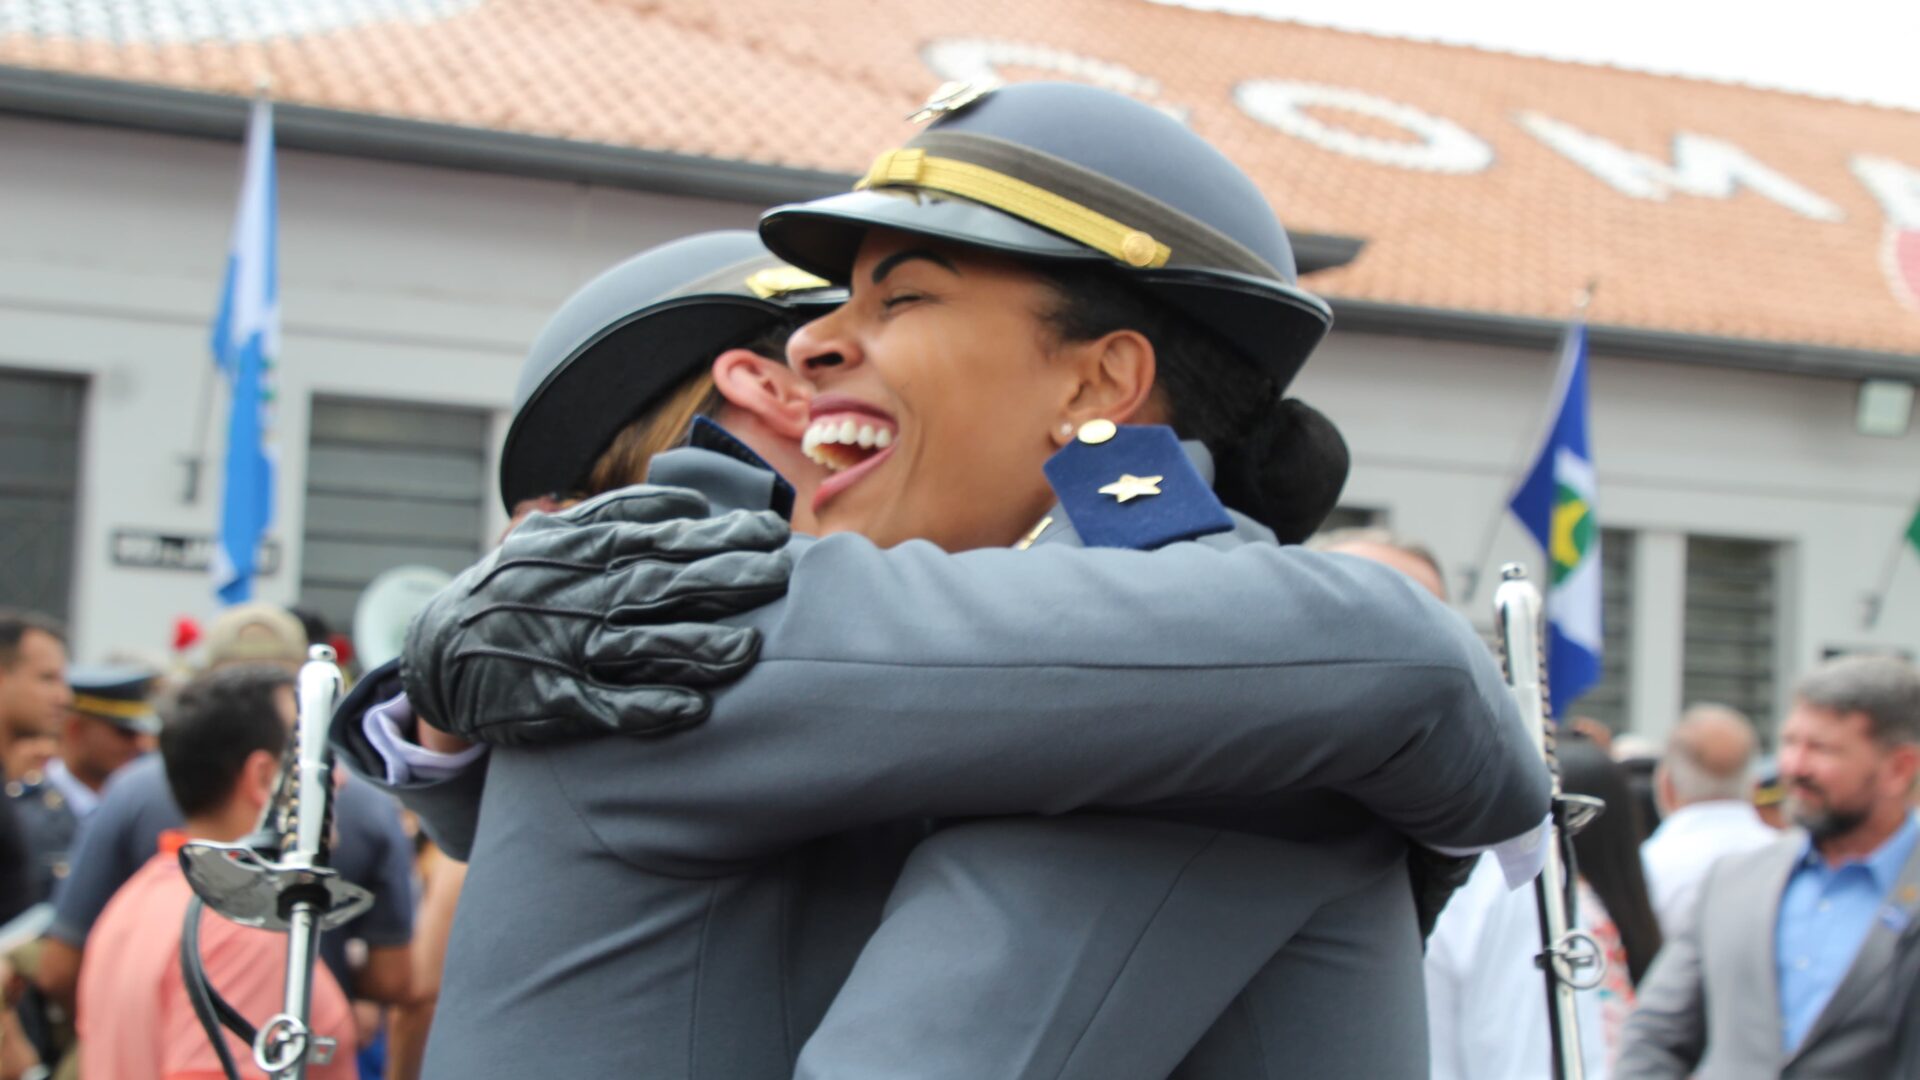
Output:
(670, 889)
(1709, 1007)
(1117, 943)
(51, 823)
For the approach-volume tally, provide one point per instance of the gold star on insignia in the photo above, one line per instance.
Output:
(1130, 486)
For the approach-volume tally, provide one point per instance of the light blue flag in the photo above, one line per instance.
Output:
(1556, 503)
(246, 339)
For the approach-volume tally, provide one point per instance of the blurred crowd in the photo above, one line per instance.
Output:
(108, 771)
(1693, 882)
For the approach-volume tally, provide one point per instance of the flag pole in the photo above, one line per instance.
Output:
(1877, 599)
(1581, 301)
(196, 459)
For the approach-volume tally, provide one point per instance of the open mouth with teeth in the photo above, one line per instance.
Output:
(850, 438)
(842, 440)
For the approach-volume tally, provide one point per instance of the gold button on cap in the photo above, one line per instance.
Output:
(1095, 432)
(1138, 249)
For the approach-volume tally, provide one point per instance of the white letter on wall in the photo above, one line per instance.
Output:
(1438, 145)
(1897, 187)
(1702, 166)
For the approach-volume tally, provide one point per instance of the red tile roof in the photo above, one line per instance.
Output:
(824, 85)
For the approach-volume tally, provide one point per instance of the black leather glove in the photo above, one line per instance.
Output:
(598, 620)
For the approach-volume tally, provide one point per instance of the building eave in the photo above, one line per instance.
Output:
(1375, 317)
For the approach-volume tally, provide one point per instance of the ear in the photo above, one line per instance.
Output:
(257, 777)
(1115, 381)
(766, 388)
(1903, 765)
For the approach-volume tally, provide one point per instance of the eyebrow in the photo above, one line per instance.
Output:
(886, 266)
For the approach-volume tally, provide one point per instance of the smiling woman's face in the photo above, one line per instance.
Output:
(939, 395)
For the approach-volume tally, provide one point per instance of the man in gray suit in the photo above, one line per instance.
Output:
(1801, 958)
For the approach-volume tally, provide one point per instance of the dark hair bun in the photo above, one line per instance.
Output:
(1287, 471)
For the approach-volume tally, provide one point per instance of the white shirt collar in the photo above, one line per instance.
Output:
(78, 795)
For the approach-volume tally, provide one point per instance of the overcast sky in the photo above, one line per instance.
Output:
(1865, 50)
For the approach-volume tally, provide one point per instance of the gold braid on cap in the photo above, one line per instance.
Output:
(111, 707)
(914, 167)
(775, 282)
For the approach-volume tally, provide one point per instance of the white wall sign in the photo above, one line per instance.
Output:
(1436, 145)
(1897, 188)
(1895, 185)
(1701, 166)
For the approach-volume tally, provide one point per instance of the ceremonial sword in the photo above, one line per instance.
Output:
(1569, 957)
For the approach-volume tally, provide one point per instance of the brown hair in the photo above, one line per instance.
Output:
(14, 625)
(660, 428)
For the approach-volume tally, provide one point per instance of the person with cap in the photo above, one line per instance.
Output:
(684, 342)
(901, 715)
(109, 723)
(136, 808)
(255, 633)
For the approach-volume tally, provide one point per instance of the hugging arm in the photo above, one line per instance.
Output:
(910, 682)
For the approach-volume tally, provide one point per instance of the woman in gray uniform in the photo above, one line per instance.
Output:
(1221, 685)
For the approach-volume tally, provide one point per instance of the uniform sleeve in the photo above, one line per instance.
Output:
(449, 807)
(911, 683)
(377, 823)
(98, 865)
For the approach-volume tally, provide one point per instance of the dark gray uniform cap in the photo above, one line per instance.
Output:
(1192, 229)
(632, 334)
(118, 695)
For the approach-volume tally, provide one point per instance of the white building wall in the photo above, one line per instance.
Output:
(397, 282)
(416, 284)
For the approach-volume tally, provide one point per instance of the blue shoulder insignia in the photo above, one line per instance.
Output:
(1133, 487)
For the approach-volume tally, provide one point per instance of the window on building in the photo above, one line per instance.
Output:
(1731, 625)
(1606, 700)
(388, 485)
(39, 472)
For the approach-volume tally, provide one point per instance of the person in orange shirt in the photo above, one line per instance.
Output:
(222, 750)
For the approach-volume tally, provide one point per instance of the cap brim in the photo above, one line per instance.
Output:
(611, 379)
(1275, 324)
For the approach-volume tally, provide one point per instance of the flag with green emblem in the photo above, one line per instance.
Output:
(1556, 502)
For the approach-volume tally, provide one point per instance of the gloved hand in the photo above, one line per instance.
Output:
(598, 620)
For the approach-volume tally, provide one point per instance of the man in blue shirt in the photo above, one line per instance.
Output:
(1800, 951)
